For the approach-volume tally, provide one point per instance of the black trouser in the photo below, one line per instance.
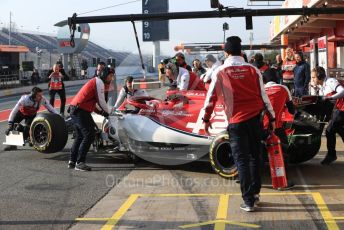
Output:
(246, 150)
(28, 120)
(290, 85)
(62, 94)
(334, 126)
(85, 133)
(299, 92)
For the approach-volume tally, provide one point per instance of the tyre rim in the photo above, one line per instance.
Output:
(40, 134)
(224, 157)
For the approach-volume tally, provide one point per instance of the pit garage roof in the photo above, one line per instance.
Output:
(303, 28)
(13, 49)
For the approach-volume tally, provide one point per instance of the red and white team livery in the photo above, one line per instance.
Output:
(29, 107)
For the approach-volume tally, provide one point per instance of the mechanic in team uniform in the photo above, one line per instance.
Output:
(183, 79)
(90, 98)
(332, 90)
(264, 68)
(239, 86)
(56, 85)
(26, 109)
(100, 67)
(280, 98)
(212, 65)
(180, 61)
(128, 91)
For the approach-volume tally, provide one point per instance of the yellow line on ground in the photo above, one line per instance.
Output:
(92, 219)
(120, 212)
(176, 194)
(222, 212)
(242, 224)
(223, 207)
(219, 194)
(284, 193)
(198, 224)
(324, 211)
(339, 218)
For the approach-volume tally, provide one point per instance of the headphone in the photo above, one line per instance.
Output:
(321, 74)
(104, 73)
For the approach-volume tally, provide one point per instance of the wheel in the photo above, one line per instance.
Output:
(305, 142)
(48, 133)
(221, 158)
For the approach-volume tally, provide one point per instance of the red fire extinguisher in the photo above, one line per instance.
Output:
(277, 169)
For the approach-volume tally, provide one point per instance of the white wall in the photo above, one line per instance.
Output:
(340, 57)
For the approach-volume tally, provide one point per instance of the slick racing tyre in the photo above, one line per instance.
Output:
(48, 133)
(305, 142)
(221, 158)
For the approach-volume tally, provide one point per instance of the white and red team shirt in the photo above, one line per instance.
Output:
(288, 68)
(90, 95)
(207, 76)
(183, 79)
(335, 90)
(239, 87)
(56, 82)
(123, 94)
(29, 107)
(278, 95)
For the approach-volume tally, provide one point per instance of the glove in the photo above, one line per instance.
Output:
(10, 128)
(105, 114)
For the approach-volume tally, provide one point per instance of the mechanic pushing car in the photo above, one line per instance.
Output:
(240, 87)
(181, 78)
(26, 109)
(128, 91)
(332, 90)
(90, 96)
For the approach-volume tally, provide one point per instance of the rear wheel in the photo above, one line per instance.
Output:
(48, 133)
(221, 158)
(305, 142)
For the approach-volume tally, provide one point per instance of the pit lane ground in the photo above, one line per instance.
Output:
(37, 191)
(192, 197)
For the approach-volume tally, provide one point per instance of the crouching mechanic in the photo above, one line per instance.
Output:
(26, 109)
(182, 79)
(332, 90)
(90, 96)
(239, 86)
(280, 97)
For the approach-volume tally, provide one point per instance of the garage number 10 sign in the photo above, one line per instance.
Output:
(157, 30)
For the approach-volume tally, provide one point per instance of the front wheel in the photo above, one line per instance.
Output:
(48, 133)
(221, 158)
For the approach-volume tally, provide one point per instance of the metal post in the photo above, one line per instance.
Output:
(10, 30)
(225, 27)
(139, 48)
(230, 12)
(156, 54)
